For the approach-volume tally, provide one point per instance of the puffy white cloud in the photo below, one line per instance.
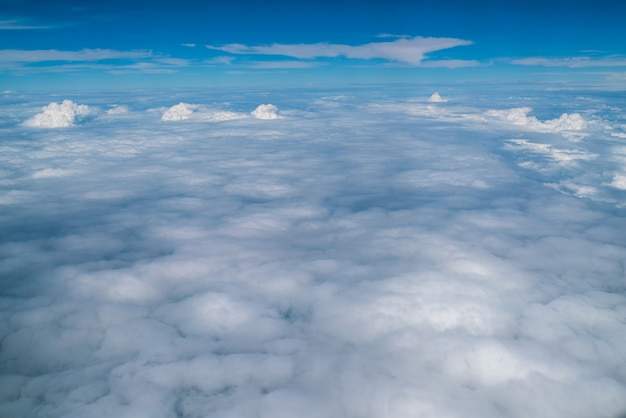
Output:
(407, 50)
(265, 111)
(436, 98)
(519, 116)
(184, 111)
(60, 115)
(181, 111)
(118, 110)
(371, 259)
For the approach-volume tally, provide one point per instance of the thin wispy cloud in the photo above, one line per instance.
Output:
(405, 50)
(21, 24)
(48, 55)
(573, 62)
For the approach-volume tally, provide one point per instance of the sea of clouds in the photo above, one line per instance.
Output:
(357, 254)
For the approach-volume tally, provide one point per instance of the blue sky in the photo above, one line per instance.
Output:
(201, 43)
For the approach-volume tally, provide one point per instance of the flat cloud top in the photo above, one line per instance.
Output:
(364, 255)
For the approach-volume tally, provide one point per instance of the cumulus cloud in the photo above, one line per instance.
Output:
(184, 111)
(265, 111)
(436, 98)
(519, 116)
(60, 115)
(407, 50)
(386, 258)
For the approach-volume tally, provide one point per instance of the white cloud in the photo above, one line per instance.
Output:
(118, 110)
(436, 98)
(181, 111)
(407, 50)
(284, 64)
(519, 116)
(367, 256)
(20, 24)
(265, 111)
(46, 55)
(187, 111)
(60, 115)
(573, 62)
(184, 111)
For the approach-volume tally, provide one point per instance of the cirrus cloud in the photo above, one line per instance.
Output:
(406, 50)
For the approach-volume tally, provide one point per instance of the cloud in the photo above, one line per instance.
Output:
(265, 111)
(60, 115)
(573, 62)
(406, 50)
(186, 111)
(436, 98)
(519, 116)
(47, 55)
(370, 255)
(284, 64)
(20, 24)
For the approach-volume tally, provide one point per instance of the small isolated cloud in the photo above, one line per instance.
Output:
(619, 181)
(519, 116)
(189, 45)
(61, 115)
(436, 98)
(285, 64)
(265, 111)
(406, 50)
(117, 110)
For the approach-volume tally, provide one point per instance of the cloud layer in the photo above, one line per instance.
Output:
(365, 255)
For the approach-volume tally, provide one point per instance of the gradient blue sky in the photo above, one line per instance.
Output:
(201, 43)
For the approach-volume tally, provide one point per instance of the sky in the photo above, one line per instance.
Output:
(287, 209)
(198, 43)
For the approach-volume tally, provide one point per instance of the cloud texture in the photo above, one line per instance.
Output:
(364, 256)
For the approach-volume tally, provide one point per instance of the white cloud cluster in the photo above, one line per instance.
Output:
(60, 115)
(185, 111)
(265, 111)
(181, 111)
(519, 116)
(436, 98)
(372, 259)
